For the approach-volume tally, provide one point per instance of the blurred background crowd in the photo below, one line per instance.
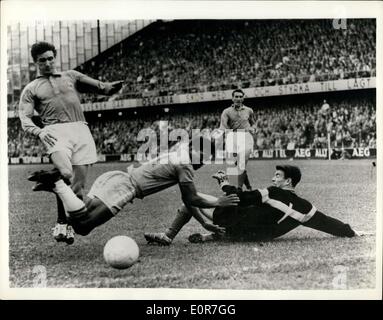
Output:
(184, 56)
(350, 123)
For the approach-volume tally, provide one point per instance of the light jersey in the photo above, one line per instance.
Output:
(161, 173)
(236, 119)
(56, 98)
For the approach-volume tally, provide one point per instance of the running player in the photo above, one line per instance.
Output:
(240, 119)
(262, 214)
(114, 189)
(66, 136)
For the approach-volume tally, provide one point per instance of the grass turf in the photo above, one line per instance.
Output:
(302, 259)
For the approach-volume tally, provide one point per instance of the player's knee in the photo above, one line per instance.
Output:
(184, 211)
(77, 187)
(67, 174)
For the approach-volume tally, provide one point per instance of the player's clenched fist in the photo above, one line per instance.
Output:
(47, 138)
(228, 201)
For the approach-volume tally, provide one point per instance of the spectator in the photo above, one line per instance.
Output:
(353, 125)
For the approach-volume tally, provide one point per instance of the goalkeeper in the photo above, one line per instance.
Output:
(262, 214)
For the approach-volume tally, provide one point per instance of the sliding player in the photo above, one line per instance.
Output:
(262, 214)
(114, 189)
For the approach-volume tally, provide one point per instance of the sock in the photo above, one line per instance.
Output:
(70, 200)
(86, 219)
(241, 179)
(183, 216)
(247, 181)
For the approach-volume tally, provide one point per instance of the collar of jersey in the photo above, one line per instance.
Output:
(291, 189)
(241, 108)
(56, 74)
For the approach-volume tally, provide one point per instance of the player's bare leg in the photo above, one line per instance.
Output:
(62, 231)
(182, 217)
(83, 217)
(80, 173)
(78, 184)
(62, 162)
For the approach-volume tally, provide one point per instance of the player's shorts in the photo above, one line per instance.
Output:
(239, 142)
(75, 139)
(115, 189)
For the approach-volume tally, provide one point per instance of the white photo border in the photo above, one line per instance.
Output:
(129, 10)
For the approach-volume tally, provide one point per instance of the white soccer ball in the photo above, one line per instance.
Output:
(121, 252)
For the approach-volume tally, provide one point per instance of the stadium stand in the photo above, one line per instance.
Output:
(352, 123)
(207, 55)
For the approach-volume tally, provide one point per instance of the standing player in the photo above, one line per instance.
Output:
(240, 120)
(114, 189)
(69, 143)
(262, 214)
(324, 111)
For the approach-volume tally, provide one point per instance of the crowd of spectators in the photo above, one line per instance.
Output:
(184, 56)
(350, 123)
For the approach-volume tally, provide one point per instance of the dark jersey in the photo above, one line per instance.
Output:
(272, 212)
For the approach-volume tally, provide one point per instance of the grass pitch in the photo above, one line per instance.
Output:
(302, 259)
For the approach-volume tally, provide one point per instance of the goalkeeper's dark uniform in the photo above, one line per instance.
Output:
(265, 214)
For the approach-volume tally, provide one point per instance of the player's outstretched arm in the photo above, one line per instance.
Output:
(88, 84)
(208, 225)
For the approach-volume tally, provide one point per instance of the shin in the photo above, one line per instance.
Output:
(96, 214)
(183, 217)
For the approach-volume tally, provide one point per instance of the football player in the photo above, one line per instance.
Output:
(239, 142)
(114, 189)
(55, 97)
(262, 214)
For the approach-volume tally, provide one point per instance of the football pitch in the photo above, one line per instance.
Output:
(302, 259)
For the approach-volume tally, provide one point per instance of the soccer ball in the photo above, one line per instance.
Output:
(121, 252)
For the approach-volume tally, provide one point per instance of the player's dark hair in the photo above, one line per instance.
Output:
(237, 90)
(292, 172)
(41, 47)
